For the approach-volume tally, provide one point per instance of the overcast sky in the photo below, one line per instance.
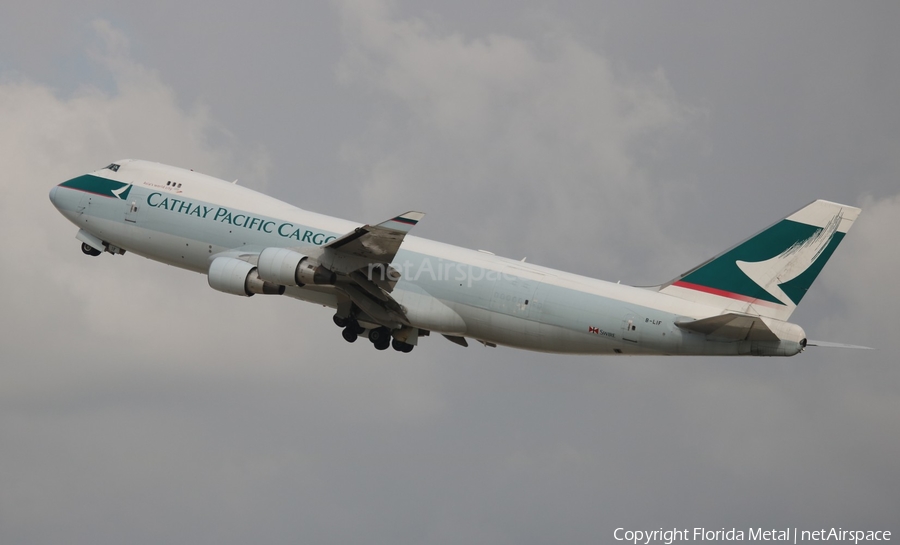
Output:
(627, 141)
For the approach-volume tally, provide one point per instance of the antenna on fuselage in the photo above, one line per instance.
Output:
(234, 182)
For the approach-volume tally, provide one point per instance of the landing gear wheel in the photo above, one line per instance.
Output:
(349, 335)
(89, 250)
(382, 344)
(401, 346)
(340, 321)
(380, 335)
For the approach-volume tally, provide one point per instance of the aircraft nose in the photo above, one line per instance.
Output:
(64, 199)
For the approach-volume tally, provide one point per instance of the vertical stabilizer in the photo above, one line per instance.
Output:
(769, 273)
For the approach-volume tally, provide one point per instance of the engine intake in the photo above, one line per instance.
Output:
(238, 277)
(289, 268)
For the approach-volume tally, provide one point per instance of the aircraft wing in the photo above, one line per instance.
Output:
(731, 327)
(378, 243)
(365, 255)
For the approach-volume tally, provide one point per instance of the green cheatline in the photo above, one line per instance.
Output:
(99, 186)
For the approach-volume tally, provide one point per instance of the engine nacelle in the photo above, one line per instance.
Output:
(238, 277)
(289, 268)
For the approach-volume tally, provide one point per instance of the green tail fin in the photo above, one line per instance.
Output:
(769, 273)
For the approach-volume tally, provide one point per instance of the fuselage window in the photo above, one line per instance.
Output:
(113, 167)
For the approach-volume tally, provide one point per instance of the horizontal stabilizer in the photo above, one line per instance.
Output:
(731, 327)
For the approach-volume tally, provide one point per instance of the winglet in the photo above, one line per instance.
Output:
(403, 222)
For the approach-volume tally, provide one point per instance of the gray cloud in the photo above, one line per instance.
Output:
(138, 405)
(508, 127)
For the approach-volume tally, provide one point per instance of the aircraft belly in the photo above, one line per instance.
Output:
(519, 332)
(427, 312)
(171, 249)
(317, 296)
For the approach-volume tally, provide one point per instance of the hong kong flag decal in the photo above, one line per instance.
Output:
(593, 329)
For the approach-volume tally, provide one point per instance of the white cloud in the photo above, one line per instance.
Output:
(48, 139)
(534, 138)
(136, 404)
(862, 276)
(543, 145)
(78, 321)
(124, 380)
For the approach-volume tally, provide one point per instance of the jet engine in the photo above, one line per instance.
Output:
(289, 268)
(238, 277)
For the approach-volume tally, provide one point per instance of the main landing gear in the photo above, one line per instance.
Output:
(401, 346)
(380, 337)
(352, 329)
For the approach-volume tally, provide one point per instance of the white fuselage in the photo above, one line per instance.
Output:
(185, 219)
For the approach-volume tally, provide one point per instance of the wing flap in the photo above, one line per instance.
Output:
(371, 287)
(458, 340)
(388, 313)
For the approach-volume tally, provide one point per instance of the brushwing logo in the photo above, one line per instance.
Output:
(771, 274)
(122, 192)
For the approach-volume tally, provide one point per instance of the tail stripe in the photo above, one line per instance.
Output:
(723, 293)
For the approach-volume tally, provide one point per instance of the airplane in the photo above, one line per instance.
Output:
(394, 288)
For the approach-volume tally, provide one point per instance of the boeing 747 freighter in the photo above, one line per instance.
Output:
(394, 289)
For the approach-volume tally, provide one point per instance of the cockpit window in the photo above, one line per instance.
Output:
(112, 166)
